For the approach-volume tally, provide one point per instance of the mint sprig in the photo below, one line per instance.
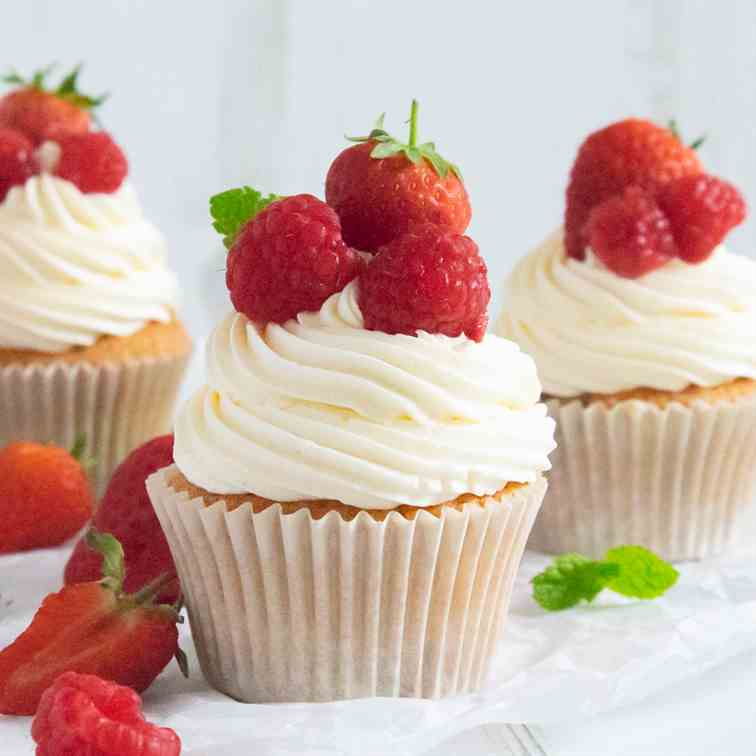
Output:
(231, 209)
(388, 146)
(68, 89)
(631, 571)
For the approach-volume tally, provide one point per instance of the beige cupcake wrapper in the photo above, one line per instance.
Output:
(677, 480)
(288, 608)
(116, 405)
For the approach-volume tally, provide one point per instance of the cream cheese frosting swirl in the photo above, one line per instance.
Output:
(76, 266)
(320, 408)
(591, 331)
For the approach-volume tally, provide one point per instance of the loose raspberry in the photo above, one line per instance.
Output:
(92, 161)
(382, 187)
(630, 152)
(429, 279)
(702, 210)
(630, 234)
(84, 714)
(289, 259)
(17, 162)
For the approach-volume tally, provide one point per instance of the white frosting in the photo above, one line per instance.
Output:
(321, 408)
(76, 266)
(591, 331)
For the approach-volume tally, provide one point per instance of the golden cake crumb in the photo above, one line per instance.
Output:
(320, 507)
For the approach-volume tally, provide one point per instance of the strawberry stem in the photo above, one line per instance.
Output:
(413, 124)
(153, 588)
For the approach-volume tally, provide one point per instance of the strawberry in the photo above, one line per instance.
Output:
(126, 512)
(630, 234)
(93, 628)
(632, 152)
(381, 187)
(702, 210)
(92, 161)
(84, 714)
(45, 496)
(428, 279)
(17, 160)
(39, 112)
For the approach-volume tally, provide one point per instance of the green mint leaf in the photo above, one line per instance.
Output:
(113, 569)
(385, 149)
(231, 209)
(570, 579)
(642, 574)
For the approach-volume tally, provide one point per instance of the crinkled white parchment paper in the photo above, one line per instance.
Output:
(550, 667)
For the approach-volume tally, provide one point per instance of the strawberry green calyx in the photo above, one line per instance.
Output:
(67, 90)
(231, 209)
(113, 569)
(695, 144)
(388, 146)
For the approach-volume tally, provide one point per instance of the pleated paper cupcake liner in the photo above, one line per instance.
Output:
(284, 607)
(116, 405)
(677, 480)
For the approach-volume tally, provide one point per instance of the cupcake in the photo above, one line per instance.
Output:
(643, 327)
(89, 339)
(354, 486)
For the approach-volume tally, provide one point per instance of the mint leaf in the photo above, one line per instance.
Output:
(642, 574)
(231, 209)
(570, 579)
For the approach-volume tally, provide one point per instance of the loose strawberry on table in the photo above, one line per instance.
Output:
(84, 715)
(41, 113)
(381, 187)
(92, 628)
(126, 513)
(45, 496)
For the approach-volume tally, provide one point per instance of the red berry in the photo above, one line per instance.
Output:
(127, 513)
(37, 113)
(289, 259)
(84, 715)
(430, 279)
(379, 199)
(93, 628)
(630, 152)
(17, 161)
(630, 234)
(45, 496)
(92, 161)
(702, 210)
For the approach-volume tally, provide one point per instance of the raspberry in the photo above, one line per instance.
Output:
(92, 161)
(630, 234)
(289, 259)
(702, 210)
(429, 279)
(17, 162)
(84, 714)
(630, 152)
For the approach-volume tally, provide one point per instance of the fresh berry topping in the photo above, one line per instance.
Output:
(630, 234)
(92, 161)
(17, 162)
(84, 714)
(127, 513)
(45, 496)
(381, 187)
(40, 112)
(702, 210)
(91, 628)
(430, 279)
(289, 258)
(628, 153)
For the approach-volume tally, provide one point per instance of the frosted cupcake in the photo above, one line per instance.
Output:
(89, 340)
(352, 495)
(643, 328)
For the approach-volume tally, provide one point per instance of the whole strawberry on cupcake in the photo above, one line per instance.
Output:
(354, 486)
(643, 327)
(89, 338)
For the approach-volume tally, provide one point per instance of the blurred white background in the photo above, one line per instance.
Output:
(207, 95)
